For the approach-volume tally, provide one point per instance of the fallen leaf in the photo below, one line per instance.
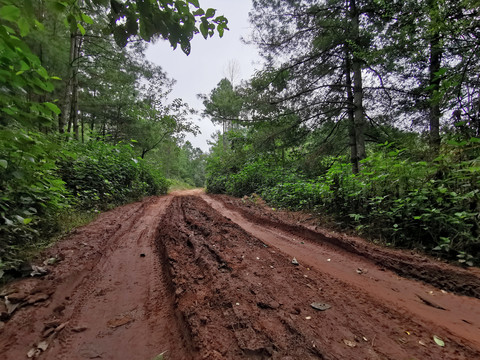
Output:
(349, 343)
(10, 307)
(50, 261)
(119, 322)
(421, 342)
(159, 356)
(61, 327)
(320, 306)
(79, 329)
(33, 352)
(43, 345)
(38, 271)
(438, 341)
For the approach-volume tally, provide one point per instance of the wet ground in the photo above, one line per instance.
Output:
(193, 276)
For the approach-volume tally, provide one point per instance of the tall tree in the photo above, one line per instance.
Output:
(317, 56)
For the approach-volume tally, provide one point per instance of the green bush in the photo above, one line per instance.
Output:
(99, 175)
(256, 177)
(31, 192)
(405, 202)
(41, 177)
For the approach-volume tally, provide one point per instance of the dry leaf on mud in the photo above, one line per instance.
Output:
(38, 271)
(43, 345)
(119, 322)
(421, 342)
(349, 343)
(438, 341)
(33, 352)
(10, 307)
(320, 306)
(159, 356)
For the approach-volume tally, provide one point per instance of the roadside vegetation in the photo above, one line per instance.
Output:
(366, 112)
(85, 124)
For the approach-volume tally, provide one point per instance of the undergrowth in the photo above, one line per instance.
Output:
(49, 186)
(396, 198)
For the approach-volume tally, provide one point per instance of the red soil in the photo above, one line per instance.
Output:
(210, 277)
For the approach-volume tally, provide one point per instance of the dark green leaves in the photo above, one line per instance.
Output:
(172, 20)
(10, 13)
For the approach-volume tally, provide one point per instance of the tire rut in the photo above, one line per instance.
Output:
(240, 298)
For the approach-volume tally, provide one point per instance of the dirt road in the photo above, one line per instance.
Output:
(193, 276)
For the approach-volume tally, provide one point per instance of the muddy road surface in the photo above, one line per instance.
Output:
(193, 276)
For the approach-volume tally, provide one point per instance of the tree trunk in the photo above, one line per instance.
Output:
(66, 104)
(359, 116)
(350, 111)
(83, 128)
(74, 101)
(435, 62)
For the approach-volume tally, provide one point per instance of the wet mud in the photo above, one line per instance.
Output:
(192, 276)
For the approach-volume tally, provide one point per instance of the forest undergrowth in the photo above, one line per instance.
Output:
(396, 199)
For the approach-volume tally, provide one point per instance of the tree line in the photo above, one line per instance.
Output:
(366, 111)
(85, 120)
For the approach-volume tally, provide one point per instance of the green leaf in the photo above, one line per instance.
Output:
(42, 72)
(39, 25)
(204, 30)
(3, 163)
(210, 13)
(10, 13)
(199, 12)
(194, 3)
(24, 66)
(438, 341)
(81, 28)
(87, 19)
(54, 108)
(24, 27)
(27, 221)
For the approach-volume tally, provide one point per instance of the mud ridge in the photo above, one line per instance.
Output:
(240, 299)
(449, 278)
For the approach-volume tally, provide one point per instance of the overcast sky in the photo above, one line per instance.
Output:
(206, 65)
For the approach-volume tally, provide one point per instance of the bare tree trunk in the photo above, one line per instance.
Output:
(74, 102)
(350, 111)
(66, 104)
(359, 115)
(435, 62)
(83, 128)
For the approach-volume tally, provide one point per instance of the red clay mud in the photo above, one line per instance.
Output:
(200, 277)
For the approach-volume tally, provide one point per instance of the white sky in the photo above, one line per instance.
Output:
(206, 65)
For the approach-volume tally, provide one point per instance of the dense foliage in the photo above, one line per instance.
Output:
(84, 120)
(366, 111)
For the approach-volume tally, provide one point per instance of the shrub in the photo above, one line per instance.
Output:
(99, 175)
(31, 192)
